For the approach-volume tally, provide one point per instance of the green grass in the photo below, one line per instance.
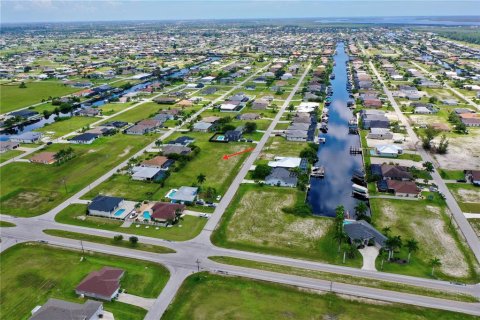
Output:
(467, 196)
(451, 174)
(254, 221)
(108, 241)
(111, 108)
(138, 113)
(63, 127)
(426, 222)
(208, 296)
(9, 155)
(278, 146)
(6, 224)
(367, 282)
(410, 156)
(32, 273)
(12, 97)
(29, 189)
(188, 228)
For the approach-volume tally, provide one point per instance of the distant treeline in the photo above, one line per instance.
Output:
(467, 34)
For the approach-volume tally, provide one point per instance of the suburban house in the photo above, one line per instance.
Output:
(184, 195)
(165, 211)
(281, 177)
(202, 127)
(84, 138)
(142, 173)
(403, 188)
(25, 114)
(159, 162)
(174, 149)
(8, 145)
(234, 135)
(470, 119)
(379, 133)
(165, 100)
(296, 135)
(88, 112)
(374, 119)
(103, 284)
(473, 176)
(388, 150)
(248, 116)
(363, 232)
(182, 141)
(288, 163)
(110, 207)
(44, 158)
(55, 309)
(27, 137)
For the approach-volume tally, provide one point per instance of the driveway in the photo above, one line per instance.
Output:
(369, 255)
(141, 302)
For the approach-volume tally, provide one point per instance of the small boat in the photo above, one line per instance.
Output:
(322, 139)
(360, 189)
(318, 172)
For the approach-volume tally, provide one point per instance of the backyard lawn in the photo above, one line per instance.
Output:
(186, 229)
(427, 222)
(32, 273)
(208, 296)
(12, 97)
(255, 221)
(278, 146)
(29, 189)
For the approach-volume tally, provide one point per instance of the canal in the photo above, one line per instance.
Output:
(334, 155)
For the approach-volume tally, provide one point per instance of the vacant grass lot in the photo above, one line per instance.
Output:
(428, 223)
(467, 196)
(64, 127)
(278, 146)
(108, 241)
(254, 221)
(29, 189)
(451, 174)
(111, 108)
(33, 273)
(208, 296)
(12, 97)
(188, 228)
(138, 113)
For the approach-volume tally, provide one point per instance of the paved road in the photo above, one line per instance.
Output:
(184, 261)
(452, 204)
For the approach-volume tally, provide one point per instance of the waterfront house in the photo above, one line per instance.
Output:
(8, 145)
(27, 137)
(389, 150)
(282, 177)
(364, 232)
(380, 134)
(103, 284)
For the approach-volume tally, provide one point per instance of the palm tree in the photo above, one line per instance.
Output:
(412, 246)
(383, 254)
(361, 208)
(340, 237)
(435, 262)
(339, 217)
(201, 178)
(392, 244)
(345, 249)
(386, 230)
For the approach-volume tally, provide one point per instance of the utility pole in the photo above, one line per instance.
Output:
(65, 185)
(198, 264)
(81, 244)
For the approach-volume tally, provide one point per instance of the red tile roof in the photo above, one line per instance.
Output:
(102, 283)
(165, 210)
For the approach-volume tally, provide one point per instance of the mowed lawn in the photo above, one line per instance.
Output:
(32, 273)
(12, 97)
(255, 221)
(279, 146)
(29, 189)
(206, 296)
(188, 227)
(143, 111)
(428, 223)
(9, 155)
(63, 127)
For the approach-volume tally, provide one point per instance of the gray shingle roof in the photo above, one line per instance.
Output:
(55, 309)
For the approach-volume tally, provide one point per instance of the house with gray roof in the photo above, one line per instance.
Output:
(184, 195)
(363, 232)
(282, 177)
(104, 205)
(55, 309)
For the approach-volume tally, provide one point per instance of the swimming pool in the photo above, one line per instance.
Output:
(220, 138)
(146, 215)
(171, 193)
(119, 212)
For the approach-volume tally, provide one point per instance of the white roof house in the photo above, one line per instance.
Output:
(389, 150)
(285, 162)
(307, 107)
(144, 173)
(228, 106)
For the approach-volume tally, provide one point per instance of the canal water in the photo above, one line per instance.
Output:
(334, 155)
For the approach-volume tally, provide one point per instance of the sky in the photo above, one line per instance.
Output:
(116, 10)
